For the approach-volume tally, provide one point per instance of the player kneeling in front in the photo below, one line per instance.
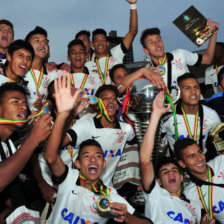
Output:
(79, 192)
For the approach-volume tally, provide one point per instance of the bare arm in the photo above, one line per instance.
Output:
(209, 53)
(147, 146)
(152, 74)
(65, 103)
(133, 26)
(11, 167)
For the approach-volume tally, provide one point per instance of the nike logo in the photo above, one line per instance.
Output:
(73, 192)
(94, 137)
(177, 123)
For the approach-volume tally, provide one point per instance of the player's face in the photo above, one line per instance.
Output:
(14, 106)
(77, 56)
(86, 41)
(39, 43)
(190, 92)
(6, 36)
(194, 160)
(119, 75)
(91, 163)
(109, 99)
(19, 62)
(100, 44)
(170, 178)
(154, 46)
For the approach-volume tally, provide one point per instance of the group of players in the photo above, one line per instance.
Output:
(70, 142)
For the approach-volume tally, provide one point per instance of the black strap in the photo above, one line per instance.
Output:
(2, 152)
(169, 70)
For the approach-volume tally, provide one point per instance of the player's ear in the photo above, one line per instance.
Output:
(77, 164)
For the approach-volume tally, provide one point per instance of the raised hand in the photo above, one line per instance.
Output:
(132, 1)
(158, 104)
(65, 101)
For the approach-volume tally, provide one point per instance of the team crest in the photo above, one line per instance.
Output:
(204, 123)
(45, 82)
(191, 209)
(121, 136)
(179, 65)
(221, 175)
(91, 80)
(93, 207)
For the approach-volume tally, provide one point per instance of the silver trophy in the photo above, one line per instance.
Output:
(142, 93)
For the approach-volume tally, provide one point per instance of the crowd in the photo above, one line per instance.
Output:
(67, 140)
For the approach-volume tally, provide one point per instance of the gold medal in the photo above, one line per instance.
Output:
(102, 203)
(161, 69)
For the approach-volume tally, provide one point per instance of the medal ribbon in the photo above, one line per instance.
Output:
(70, 150)
(161, 62)
(12, 121)
(100, 190)
(194, 137)
(169, 99)
(103, 111)
(84, 81)
(210, 192)
(103, 76)
(72, 79)
(126, 102)
(216, 69)
(39, 80)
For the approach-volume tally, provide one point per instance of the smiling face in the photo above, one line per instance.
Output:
(194, 160)
(6, 36)
(170, 178)
(119, 75)
(86, 41)
(100, 44)
(77, 56)
(190, 92)
(109, 99)
(91, 163)
(14, 106)
(154, 46)
(40, 45)
(19, 63)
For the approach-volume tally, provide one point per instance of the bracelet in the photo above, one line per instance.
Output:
(133, 6)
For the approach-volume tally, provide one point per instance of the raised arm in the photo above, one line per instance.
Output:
(11, 167)
(65, 103)
(147, 146)
(209, 53)
(133, 25)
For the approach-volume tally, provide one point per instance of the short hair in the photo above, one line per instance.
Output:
(98, 31)
(114, 68)
(220, 76)
(37, 30)
(12, 86)
(74, 43)
(107, 87)
(82, 32)
(221, 44)
(89, 142)
(182, 144)
(147, 32)
(8, 23)
(164, 161)
(20, 44)
(184, 77)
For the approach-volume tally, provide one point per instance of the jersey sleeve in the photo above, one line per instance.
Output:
(117, 53)
(189, 57)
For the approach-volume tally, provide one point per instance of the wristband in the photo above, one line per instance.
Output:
(133, 6)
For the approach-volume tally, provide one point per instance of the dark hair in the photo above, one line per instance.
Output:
(185, 76)
(220, 75)
(75, 42)
(89, 142)
(221, 44)
(8, 23)
(20, 44)
(114, 68)
(107, 87)
(12, 86)
(82, 32)
(165, 161)
(145, 33)
(182, 144)
(37, 30)
(98, 31)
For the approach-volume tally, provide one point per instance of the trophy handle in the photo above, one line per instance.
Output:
(175, 94)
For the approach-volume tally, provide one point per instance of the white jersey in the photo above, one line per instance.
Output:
(211, 77)
(162, 208)
(116, 57)
(76, 204)
(179, 64)
(112, 141)
(32, 87)
(217, 165)
(210, 120)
